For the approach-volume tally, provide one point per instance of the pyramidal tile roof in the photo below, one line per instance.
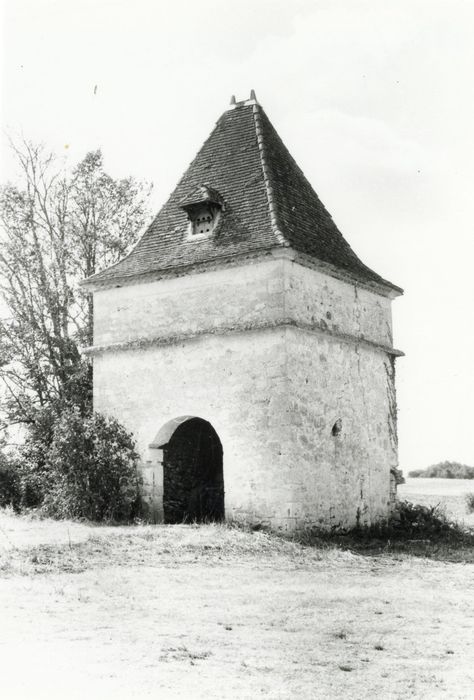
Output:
(267, 204)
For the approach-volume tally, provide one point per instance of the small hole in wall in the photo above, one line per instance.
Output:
(336, 428)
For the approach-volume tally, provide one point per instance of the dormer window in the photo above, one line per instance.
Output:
(203, 207)
(203, 221)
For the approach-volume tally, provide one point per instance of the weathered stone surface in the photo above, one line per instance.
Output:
(313, 297)
(280, 354)
(197, 302)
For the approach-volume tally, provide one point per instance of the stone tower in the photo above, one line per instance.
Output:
(248, 348)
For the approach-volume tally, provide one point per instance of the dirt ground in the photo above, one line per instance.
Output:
(211, 612)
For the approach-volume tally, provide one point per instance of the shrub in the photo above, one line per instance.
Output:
(10, 486)
(470, 502)
(412, 528)
(415, 520)
(33, 467)
(92, 468)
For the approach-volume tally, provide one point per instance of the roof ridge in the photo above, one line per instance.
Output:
(266, 177)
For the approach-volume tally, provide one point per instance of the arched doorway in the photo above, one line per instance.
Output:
(193, 479)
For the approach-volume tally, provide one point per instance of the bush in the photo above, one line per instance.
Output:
(10, 485)
(92, 469)
(34, 472)
(470, 502)
(32, 455)
(412, 529)
(415, 520)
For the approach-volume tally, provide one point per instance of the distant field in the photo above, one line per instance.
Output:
(448, 493)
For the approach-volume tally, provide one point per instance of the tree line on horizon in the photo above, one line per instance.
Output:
(444, 470)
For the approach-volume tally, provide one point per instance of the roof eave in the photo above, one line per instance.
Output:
(382, 287)
(97, 282)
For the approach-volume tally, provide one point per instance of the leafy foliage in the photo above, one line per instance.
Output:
(57, 229)
(92, 469)
(416, 520)
(33, 463)
(10, 487)
(444, 470)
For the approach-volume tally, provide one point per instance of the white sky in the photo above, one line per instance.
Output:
(374, 98)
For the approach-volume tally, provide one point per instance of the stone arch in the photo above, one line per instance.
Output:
(191, 455)
(166, 431)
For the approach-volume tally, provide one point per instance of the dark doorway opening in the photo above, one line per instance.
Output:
(193, 479)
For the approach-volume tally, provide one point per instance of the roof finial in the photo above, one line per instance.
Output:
(232, 100)
(252, 95)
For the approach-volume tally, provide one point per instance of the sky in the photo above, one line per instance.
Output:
(373, 98)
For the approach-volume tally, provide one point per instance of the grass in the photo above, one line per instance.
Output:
(416, 530)
(211, 611)
(143, 545)
(422, 531)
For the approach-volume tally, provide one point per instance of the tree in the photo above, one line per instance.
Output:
(58, 227)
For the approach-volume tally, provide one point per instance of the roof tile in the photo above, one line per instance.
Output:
(268, 203)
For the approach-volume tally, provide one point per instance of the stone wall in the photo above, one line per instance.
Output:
(314, 298)
(286, 352)
(239, 296)
(342, 476)
(236, 382)
(261, 292)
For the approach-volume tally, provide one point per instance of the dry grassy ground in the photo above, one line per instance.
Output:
(212, 612)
